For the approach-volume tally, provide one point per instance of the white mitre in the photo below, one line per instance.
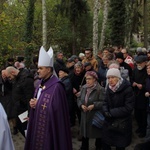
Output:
(50, 53)
(44, 58)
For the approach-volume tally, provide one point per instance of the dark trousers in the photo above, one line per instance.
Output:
(143, 146)
(21, 126)
(108, 147)
(141, 118)
(85, 143)
(98, 143)
(77, 112)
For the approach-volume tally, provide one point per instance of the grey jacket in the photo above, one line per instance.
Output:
(96, 97)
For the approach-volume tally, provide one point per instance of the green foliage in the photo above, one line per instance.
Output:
(29, 32)
(73, 10)
(136, 44)
(11, 31)
(137, 16)
(28, 53)
(29, 21)
(117, 17)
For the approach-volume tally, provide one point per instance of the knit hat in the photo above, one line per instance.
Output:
(78, 64)
(91, 73)
(113, 72)
(81, 55)
(119, 55)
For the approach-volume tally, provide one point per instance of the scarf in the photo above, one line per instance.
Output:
(88, 91)
(116, 87)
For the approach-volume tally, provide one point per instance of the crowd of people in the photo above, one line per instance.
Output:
(58, 95)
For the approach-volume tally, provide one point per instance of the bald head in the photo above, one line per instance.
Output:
(4, 74)
(11, 72)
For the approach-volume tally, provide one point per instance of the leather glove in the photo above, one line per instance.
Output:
(107, 115)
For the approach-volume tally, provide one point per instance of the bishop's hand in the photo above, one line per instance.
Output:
(33, 102)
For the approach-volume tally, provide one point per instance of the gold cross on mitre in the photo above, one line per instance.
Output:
(44, 106)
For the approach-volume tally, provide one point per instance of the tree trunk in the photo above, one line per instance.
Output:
(128, 23)
(145, 24)
(105, 14)
(44, 24)
(73, 39)
(95, 26)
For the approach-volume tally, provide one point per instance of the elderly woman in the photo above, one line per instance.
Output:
(115, 64)
(117, 108)
(90, 101)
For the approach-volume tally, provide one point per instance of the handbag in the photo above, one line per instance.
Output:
(98, 120)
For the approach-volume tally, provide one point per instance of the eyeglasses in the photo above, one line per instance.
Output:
(87, 52)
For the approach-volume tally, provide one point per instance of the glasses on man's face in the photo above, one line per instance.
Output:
(87, 53)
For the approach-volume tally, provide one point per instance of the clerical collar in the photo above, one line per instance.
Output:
(44, 81)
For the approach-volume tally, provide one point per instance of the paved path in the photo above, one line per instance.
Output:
(19, 140)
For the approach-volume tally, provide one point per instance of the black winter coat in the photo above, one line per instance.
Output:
(148, 90)
(102, 71)
(6, 96)
(120, 105)
(22, 92)
(69, 91)
(58, 65)
(140, 76)
(77, 80)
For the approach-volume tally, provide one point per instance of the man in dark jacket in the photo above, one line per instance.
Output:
(146, 144)
(22, 92)
(59, 63)
(6, 94)
(139, 83)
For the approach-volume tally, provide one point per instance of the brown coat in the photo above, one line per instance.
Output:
(93, 61)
